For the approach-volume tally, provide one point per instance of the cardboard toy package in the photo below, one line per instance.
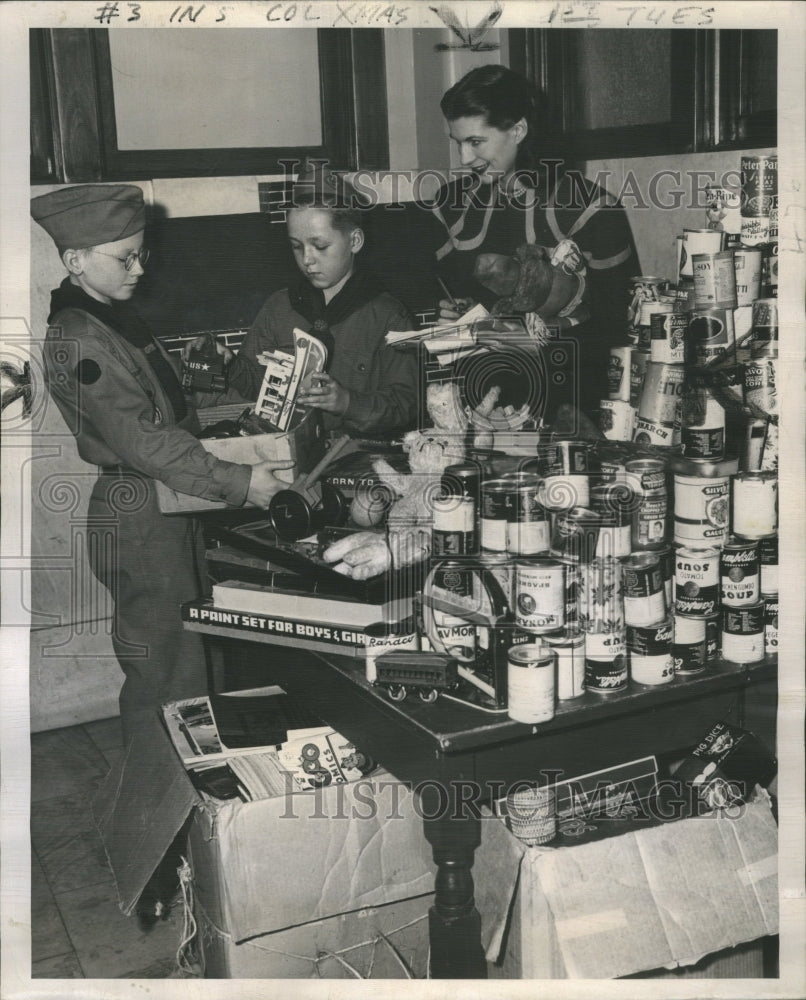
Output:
(303, 445)
(279, 885)
(654, 898)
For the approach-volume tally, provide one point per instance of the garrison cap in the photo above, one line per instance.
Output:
(90, 214)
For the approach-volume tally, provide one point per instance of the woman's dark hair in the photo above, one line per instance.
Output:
(329, 191)
(502, 97)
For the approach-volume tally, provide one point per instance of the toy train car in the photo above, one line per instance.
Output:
(405, 671)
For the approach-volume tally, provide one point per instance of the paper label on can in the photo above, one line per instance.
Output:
(605, 645)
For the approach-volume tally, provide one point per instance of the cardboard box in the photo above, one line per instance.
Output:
(650, 899)
(311, 872)
(304, 446)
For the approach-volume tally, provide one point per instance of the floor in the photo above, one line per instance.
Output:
(78, 931)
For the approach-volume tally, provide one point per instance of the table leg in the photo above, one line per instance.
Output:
(454, 923)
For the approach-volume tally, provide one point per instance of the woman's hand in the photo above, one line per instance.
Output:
(325, 393)
(264, 484)
(203, 340)
(448, 310)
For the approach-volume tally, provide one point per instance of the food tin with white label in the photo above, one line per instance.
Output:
(755, 504)
(601, 596)
(702, 433)
(747, 268)
(539, 595)
(697, 241)
(702, 501)
(453, 531)
(647, 477)
(689, 645)
(618, 373)
(569, 647)
(616, 419)
(527, 523)
(714, 280)
(771, 625)
(644, 592)
(696, 582)
(530, 683)
(743, 633)
(650, 649)
(494, 509)
(668, 338)
(768, 560)
(740, 576)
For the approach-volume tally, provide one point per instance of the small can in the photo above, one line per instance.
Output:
(764, 342)
(759, 185)
(644, 593)
(769, 269)
(713, 635)
(740, 573)
(644, 329)
(610, 673)
(661, 394)
(714, 280)
(759, 377)
(569, 647)
(702, 501)
(453, 576)
(702, 433)
(618, 373)
(575, 535)
(570, 457)
(667, 344)
(743, 633)
(696, 582)
(530, 683)
(697, 241)
(755, 504)
(527, 524)
(500, 569)
(647, 477)
(453, 531)
(638, 365)
(494, 503)
(650, 649)
(768, 564)
(387, 637)
(539, 595)
(601, 597)
(689, 646)
(771, 624)
(747, 269)
(709, 335)
(616, 419)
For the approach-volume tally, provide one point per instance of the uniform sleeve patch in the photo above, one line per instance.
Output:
(88, 371)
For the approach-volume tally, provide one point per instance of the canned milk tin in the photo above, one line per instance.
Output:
(759, 377)
(714, 280)
(647, 477)
(689, 646)
(743, 633)
(768, 561)
(697, 241)
(650, 649)
(668, 338)
(696, 582)
(710, 335)
(703, 427)
(764, 342)
(771, 625)
(575, 535)
(569, 648)
(530, 683)
(755, 504)
(618, 373)
(702, 501)
(616, 419)
(747, 268)
(453, 531)
(644, 592)
(740, 576)
(539, 595)
(494, 495)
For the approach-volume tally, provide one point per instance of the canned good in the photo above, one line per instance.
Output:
(713, 635)
(386, 637)
(601, 596)
(697, 241)
(755, 504)
(702, 500)
(530, 683)
(714, 280)
(760, 451)
(458, 637)
(709, 335)
(768, 564)
(758, 230)
(615, 536)
(759, 186)
(743, 633)
(609, 674)
(564, 492)
(618, 373)
(666, 559)
(527, 524)
(667, 338)
(689, 645)
(696, 582)
(661, 394)
(647, 477)
(644, 328)
(453, 531)
(569, 648)
(653, 433)
(575, 535)
(539, 595)
(764, 342)
(453, 577)
(644, 288)
(463, 479)
(616, 419)
(740, 576)
(771, 625)
(759, 376)
(703, 426)
(572, 585)
(769, 268)
(638, 365)
(494, 510)
(747, 269)
(650, 649)
(644, 592)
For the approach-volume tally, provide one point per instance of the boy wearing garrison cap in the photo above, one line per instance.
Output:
(119, 394)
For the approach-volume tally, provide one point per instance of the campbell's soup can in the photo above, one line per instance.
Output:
(387, 637)
(743, 633)
(569, 647)
(667, 344)
(702, 501)
(709, 335)
(740, 573)
(618, 373)
(768, 564)
(755, 504)
(650, 649)
(689, 645)
(647, 477)
(747, 269)
(644, 592)
(714, 280)
(539, 590)
(771, 625)
(606, 664)
(696, 582)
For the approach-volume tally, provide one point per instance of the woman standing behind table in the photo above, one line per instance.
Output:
(519, 193)
(120, 396)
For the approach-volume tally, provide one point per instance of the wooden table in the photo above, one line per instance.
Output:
(457, 756)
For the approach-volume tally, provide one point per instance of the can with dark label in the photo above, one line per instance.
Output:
(702, 433)
(618, 373)
(608, 674)
(710, 335)
(714, 280)
(771, 625)
(768, 564)
(755, 504)
(644, 329)
(759, 185)
(743, 633)
(539, 595)
(570, 649)
(696, 589)
(764, 342)
(494, 509)
(638, 365)
(689, 647)
(571, 457)
(530, 683)
(740, 573)
(647, 477)
(667, 338)
(644, 592)
(747, 267)
(713, 635)
(453, 531)
(650, 649)
(575, 535)
(612, 458)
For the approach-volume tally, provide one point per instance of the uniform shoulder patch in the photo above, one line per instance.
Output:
(88, 371)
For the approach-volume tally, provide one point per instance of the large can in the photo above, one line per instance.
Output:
(530, 683)
(601, 596)
(647, 477)
(747, 268)
(702, 501)
(650, 649)
(710, 335)
(696, 582)
(618, 373)
(697, 241)
(387, 637)
(764, 342)
(569, 647)
(638, 365)
(740, 575)
(768, 564)
(759, 376)
(689, 647)
(575, 535)
(743, 634)
(661, 394)
(453, 531)
(771, 625)
(714, 280)
(755, 504)
(644, 592)
(616, 419)
(702, 434)
(539, 595)
(667, 338)
(494, 509)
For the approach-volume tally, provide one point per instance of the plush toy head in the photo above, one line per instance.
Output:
(444, 404)
(429, 453)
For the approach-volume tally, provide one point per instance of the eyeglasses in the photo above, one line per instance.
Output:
(128, 261)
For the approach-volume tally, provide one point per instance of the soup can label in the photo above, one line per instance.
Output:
(696, 591)
(743, 634)
(644, 591)
(650, 649)
(771, 625)
(701, 509)
(714, 280)
(689, 646)
(606, 676)
(740, 575)
(539, 595)
(530, 683)
(759, 185)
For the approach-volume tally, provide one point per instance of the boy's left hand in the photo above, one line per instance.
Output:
(325, 393)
